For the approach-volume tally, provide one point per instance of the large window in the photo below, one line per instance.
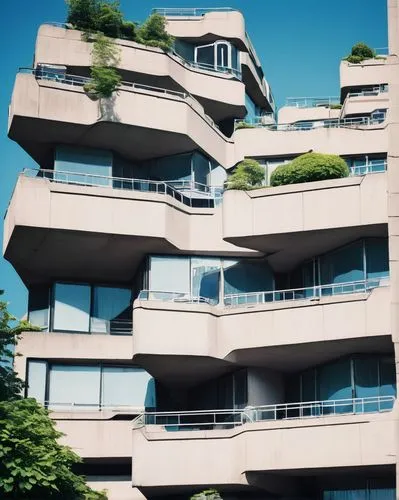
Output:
(217, 55)
(66, 386)
(81, 308)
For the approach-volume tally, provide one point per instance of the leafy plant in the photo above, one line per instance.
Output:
(335, 106)
(33, 465)
(359, 53)
(153, 33)
(105, 79)
(109, 19)
(82, 14)
(129, 30)
(207, 495)
(248, 174)
(244, 125)
(310, 167)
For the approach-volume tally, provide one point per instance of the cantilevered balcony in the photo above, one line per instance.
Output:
(98, 227)
(285, 330)
(231, 448)
(219, 89)
(369, 72)
(139, 122)
(312, 217)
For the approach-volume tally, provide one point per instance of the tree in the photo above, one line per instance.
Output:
(82, 14)
(248, 175)
(153, 33)
(33, 465)
(109, 19)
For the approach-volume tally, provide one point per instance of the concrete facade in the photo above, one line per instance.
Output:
(229, 362)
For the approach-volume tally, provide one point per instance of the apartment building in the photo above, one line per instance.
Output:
(195, 338)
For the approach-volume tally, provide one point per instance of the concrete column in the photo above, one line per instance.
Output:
(393, 27)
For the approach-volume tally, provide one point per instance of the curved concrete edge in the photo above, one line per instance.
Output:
(193, 458)
(161, 328)
(61, 46)
(369, 72)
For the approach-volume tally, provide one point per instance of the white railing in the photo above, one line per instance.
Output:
(207, 67)
(308, 293)
(42, 73)
(206, 200)
(74, 406)
(311, 102)
(369, 168)
(230, 418)
(381, 51)
(167, 296)
(189, 11)
(361, 121)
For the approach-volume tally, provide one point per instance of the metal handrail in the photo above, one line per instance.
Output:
(74, 406)
(80, 81)
(369, 168)
(311, 102)
(168, 296)
(207, 200)
(308, 293)
(230, 418)
(312, 125)
(189, 11)
(206, 67)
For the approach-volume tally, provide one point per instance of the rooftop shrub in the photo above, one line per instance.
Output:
(310, 167)
(153, 33)
(248, 174)
(244, 125)
(359, 53)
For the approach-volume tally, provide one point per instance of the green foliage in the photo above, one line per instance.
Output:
(248, 175)
(82, 14)
(308, 168)
(244, 125)
(153, 33)
(129, 30)
(335, 106)
(359, 53)
(10, 385)
(32, 463)
(109, 19)
(105, 79)
(207, 495)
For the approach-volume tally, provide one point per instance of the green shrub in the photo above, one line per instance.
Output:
(82, 14)
(244, 125)
(335, 106)
(153, 33)
(362, 50)
(308, 168)
(129, 30)
(359, 53)
(109, 19)
(248, 174)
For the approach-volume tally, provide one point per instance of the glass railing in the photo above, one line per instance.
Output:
(189, 11)
(209, 197)
(369, 168)
(230, 418)
(312, 102)
(308, 293)
(178, 297)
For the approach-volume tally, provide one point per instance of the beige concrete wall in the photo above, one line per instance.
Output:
(338, 203)
(45, 101)
(97, 438)
(261, 142)
(61, 346)
(116, 489)
(292, 114)
(66, 47)
(365, 104)
(369, 72)
(38, 202)
(200, 330)
(223, 457)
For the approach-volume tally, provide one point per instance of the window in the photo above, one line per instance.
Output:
(88, 387)
(97, 309)
(217, 55)
(71, 307)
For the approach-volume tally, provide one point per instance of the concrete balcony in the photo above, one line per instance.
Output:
(271, 454)
(312, 217)
(138, 122)
(101, 233)
(221, 93)
(369, 72)
(357, 103)
(202, 341)
(341, 140)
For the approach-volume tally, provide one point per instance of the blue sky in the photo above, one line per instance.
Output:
(300, 44)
